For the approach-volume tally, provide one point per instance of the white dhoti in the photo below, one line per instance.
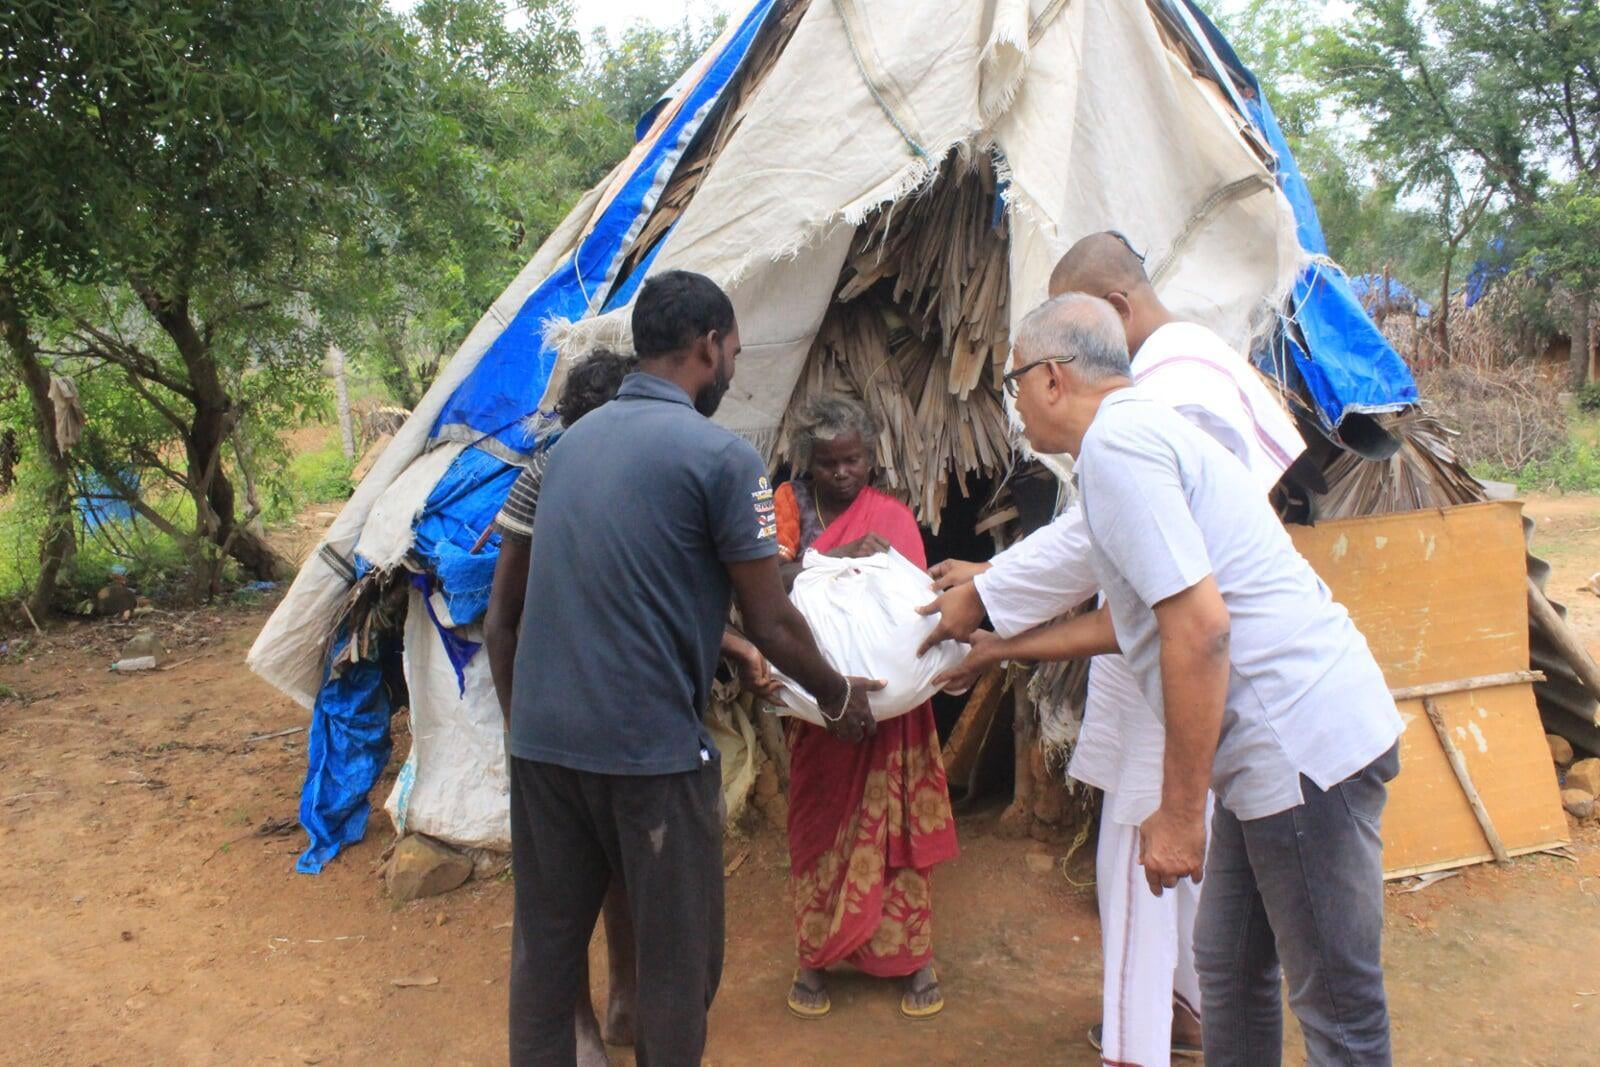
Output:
(1148, 945)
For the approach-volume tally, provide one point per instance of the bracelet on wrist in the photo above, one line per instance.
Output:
(843, 704)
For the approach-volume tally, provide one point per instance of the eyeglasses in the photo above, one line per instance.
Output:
(1010, 380)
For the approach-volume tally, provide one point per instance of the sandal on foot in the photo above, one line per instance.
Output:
(1187, 1049)
(800, 1009)
(927, 1011)
(1097, 1034)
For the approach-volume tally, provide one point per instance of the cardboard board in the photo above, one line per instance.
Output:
(1441, 595)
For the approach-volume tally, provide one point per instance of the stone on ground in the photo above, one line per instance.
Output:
(1560, 749)
(1578, 803)
(1585, 775)
(143, 643)
(1040, 862)
(114, 599)
(422, 867)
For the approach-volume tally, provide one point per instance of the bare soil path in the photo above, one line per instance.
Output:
(146, 920)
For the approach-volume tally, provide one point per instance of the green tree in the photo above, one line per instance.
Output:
(1476, 103)
(192, 165)
(531, 136)
(629, 75)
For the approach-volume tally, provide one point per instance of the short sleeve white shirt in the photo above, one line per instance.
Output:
(1166, 506)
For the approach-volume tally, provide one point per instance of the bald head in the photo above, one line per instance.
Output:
(1076, 327)
(1099, 264)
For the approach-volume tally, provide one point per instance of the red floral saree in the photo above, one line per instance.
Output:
(868, 821)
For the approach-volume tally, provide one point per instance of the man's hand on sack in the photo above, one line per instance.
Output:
(964, 675)
(960, 612)
(953, 572)
(1172, 845)
(755, 675)
(860, 548)
(855, 722)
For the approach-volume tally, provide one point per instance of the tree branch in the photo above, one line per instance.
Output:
(127, 356)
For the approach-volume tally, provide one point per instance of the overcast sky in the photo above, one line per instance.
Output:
(615, 15)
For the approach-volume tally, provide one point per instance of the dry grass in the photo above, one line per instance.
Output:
(1507, 418)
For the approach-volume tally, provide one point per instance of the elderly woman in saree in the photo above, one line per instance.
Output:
(869, 819)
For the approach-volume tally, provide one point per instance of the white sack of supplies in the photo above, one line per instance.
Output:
(863, 613)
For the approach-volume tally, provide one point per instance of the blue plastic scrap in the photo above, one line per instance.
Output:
(347, 748)
(458, 649)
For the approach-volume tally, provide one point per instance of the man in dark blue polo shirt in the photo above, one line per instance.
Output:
(652, 519)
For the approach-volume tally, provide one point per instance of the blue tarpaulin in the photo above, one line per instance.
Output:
(508, 381)
(349, 740)
(97, 504)
(347, 747)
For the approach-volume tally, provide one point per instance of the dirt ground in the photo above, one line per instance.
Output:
(147, 919)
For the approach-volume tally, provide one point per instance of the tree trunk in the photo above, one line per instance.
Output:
(341, 393)
(59, 542)
(214, 420)
(1578, 361)
(1441, 322)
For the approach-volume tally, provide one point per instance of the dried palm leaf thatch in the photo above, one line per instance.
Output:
(945, 253)
(716, 133)
(920, 316)
(1423, 473)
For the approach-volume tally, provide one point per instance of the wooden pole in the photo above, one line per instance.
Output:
(1484, 681)
(1458, 764)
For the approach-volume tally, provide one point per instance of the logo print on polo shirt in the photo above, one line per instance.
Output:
(766, 510)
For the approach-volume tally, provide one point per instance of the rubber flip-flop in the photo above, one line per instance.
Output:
(927, 1011)
(801, 1010)
(1186, 1049)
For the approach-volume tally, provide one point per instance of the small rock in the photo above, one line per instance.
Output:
(1584, 775)
(326, 516)
(1560, 749)
(440, 919)
(422, 867)
(115, 599)
(1041, 862)
(144, 643)
(1578, 803)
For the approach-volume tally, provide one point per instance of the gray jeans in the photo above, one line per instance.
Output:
(1304, 887)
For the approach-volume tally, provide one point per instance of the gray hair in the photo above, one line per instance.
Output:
(829, 417)
(1084, 327)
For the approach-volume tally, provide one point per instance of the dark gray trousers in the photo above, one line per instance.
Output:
(1304, 887)
(570, 830)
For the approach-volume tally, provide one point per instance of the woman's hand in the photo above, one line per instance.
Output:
(853, 722)
(755, 676)
(869, 545)
(964, 675)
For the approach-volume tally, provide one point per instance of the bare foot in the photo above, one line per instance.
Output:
(591, 1051)
(922, 989)
(809, 992)
(619, 1020)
